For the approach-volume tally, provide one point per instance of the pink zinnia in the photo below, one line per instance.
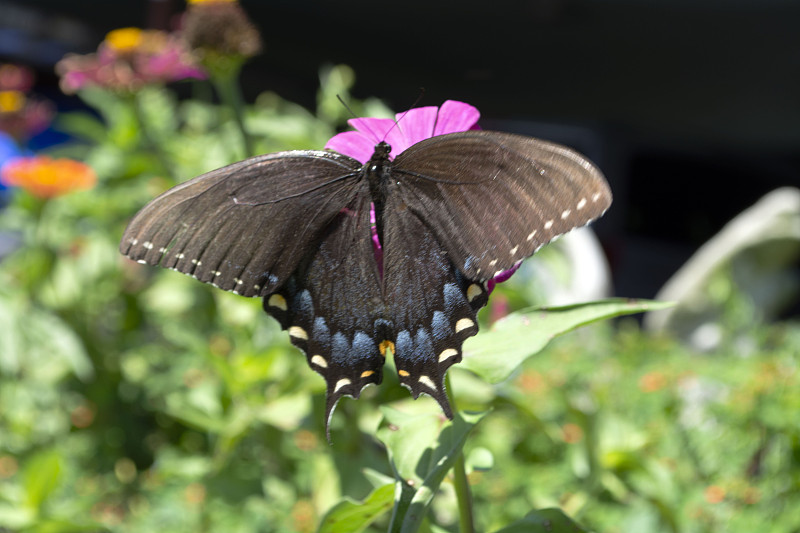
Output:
(407, 129)
(128, 59)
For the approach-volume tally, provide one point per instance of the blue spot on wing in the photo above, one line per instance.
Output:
(440, 325)
(320, 331)
(340, 350)
(423, 346)
(453, 298)
(404, 344)
(303, 306)
(363, 346)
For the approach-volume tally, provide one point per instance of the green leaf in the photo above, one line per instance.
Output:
(39, 342)
(350, 516)
(52, 338)
(524, 333)
(377, 479)
(544, 521)
(67, 526)
(84, 125)
(408, 438)
(480, 458)
(41, 476)
(11, 341)
(421, 455)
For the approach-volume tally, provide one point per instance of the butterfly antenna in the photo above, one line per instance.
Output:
(349, 109)
(375, 135)
(413, 106)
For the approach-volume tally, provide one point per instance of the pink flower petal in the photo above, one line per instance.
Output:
(353, 143)
(456, 116)
(417, 125)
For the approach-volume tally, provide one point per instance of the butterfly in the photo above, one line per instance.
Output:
(297, 229)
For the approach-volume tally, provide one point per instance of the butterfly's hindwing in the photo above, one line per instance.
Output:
(433, 305)
(493, 199)
(332, 306)
(245, 227)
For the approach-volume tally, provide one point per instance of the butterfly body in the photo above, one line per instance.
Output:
(295, 228)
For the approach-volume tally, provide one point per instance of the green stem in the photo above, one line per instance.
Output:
(460, 481)
(150, 142)
(230, 94)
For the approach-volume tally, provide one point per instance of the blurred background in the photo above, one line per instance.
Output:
(136, 399)
(690, 107)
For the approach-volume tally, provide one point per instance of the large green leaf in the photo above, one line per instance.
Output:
(544, 521)
(495, 354)
(40, 477)
(350, 516)
(39, 341)
(422, 449)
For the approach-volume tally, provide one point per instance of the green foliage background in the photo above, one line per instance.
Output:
(135, 399)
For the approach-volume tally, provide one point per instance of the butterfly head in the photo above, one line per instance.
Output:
(379, 157)
(382, 150)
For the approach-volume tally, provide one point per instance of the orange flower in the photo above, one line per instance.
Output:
(195, 493)
(652, 382)
(714, 494)
(45, 177)
(571, 433)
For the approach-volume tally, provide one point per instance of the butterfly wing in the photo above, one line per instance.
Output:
(332, 305)
(493, 199)
(432, 305)
(244, 227)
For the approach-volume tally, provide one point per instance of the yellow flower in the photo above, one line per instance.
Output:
(124, 39)
(45, 177)
(11, 101)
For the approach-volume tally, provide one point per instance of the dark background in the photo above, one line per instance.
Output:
(690, 107)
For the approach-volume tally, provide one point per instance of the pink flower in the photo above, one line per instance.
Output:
(407, 129)
(15, 78)
(22, 117)
(410, 128)
(126, 60)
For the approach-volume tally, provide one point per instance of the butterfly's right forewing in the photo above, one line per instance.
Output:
(492, 199)
(244, 227)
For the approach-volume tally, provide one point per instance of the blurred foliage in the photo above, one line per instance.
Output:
(136, 399)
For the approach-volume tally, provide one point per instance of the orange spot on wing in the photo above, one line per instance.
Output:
(386, 345)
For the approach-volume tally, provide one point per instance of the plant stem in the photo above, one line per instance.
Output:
(230, 94)
(460, 482)
(150, 142)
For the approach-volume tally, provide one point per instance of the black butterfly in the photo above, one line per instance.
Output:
(294, 228)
